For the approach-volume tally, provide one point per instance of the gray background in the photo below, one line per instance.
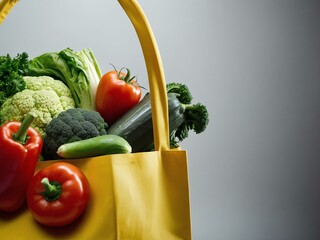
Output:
(254, 173)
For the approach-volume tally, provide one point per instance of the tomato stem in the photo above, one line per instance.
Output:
(52, 190)
(126, 78)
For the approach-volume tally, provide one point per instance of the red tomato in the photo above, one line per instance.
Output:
(58, 194)
(116, 94)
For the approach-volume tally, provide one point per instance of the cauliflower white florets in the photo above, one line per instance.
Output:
(44, 97)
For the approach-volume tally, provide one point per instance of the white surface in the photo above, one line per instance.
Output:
(254, 173)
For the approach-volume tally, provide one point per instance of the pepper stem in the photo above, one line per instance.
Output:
(21, 134)
(52, 190)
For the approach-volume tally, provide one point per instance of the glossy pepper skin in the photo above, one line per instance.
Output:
(58, 194)
(19, 153)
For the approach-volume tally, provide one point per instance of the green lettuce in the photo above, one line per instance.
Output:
(78, 70)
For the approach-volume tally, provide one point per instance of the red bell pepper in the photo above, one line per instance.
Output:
(58, 194)
(20, 147)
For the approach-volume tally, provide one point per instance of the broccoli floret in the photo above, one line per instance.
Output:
(195, 116)
(184, 96)
(69, 126)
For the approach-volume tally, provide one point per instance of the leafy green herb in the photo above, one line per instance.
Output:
(12, 71)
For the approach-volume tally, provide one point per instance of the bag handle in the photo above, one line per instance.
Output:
(156, 78)
(5, 7)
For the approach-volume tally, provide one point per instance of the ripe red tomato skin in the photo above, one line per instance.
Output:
(114, 96)
(72, 201)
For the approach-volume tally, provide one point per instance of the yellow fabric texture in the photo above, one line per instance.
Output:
(133, 196)
(155, 72)
(5, 8)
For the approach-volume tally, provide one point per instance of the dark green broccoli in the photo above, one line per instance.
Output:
(196, 119)
(195, 116)
(184, 96)
(71, 125)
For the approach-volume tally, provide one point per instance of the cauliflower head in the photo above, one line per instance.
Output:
(44, 98)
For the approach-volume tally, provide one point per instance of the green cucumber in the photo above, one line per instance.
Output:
(96, 146)
(136, 125)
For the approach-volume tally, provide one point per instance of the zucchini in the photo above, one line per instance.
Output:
(96, 146)
(136, 125)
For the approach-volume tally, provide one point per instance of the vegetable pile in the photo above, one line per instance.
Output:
(72, 101)
(59, 106)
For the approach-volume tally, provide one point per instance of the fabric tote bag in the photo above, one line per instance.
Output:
(141, 195)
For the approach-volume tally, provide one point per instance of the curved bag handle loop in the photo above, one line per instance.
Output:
(158, 94)
(5, 7)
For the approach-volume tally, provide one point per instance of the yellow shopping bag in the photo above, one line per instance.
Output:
(133, 196)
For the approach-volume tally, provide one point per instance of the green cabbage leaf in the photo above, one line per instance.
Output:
(78, 70)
